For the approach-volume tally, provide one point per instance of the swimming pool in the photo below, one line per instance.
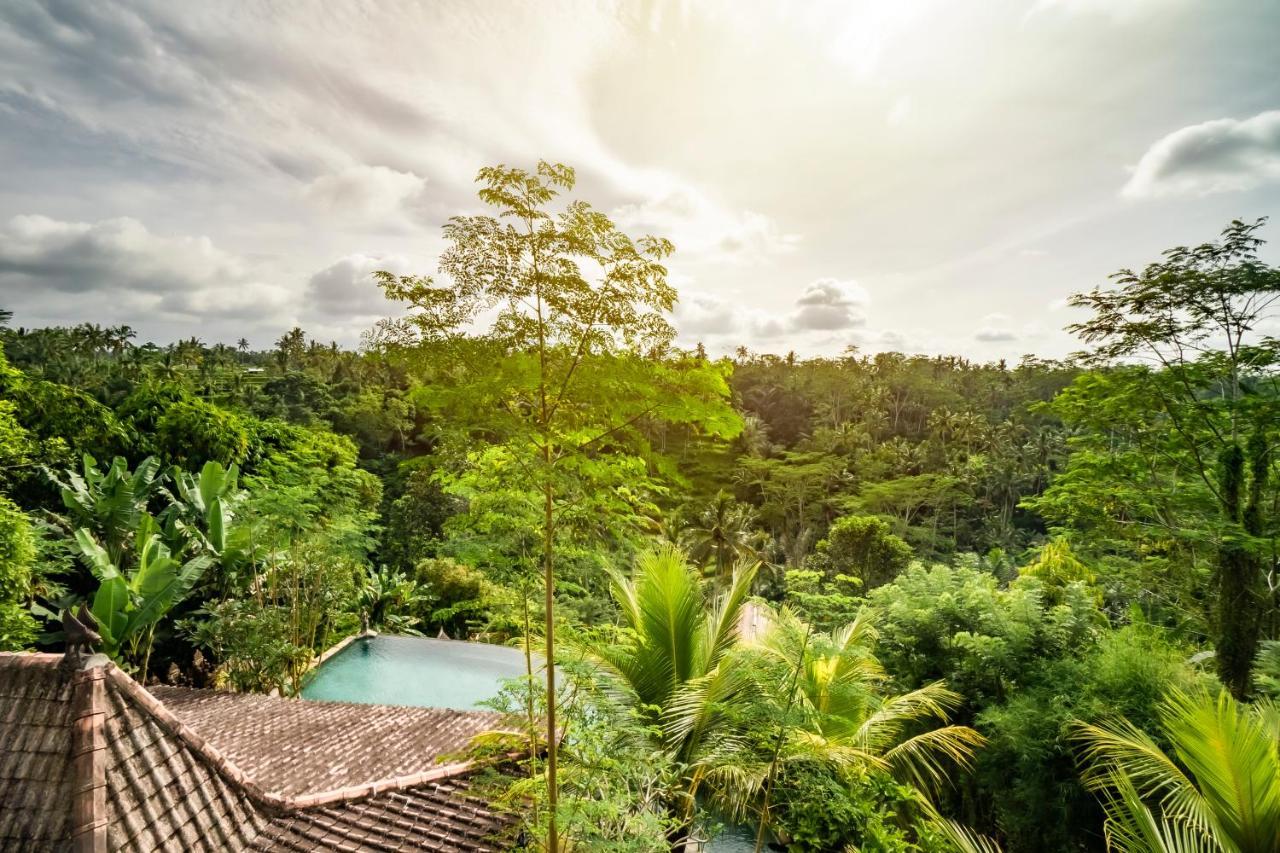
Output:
(392, 670)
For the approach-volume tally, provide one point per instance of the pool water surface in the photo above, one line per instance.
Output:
(390, 670)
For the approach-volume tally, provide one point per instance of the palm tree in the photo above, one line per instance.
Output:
(1218, 791)
(836, 712)
(668, 664)
(721, 534)
(754, 438)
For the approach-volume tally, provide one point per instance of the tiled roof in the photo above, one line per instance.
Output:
(89, 760)
(35, 743)
(438, 816)
(292, 747)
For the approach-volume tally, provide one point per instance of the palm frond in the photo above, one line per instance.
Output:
(895, 712)
(1121, 746)
(1233, 757)
(1224, 787)
(722, 624)
(960, 837)
(1131, 827)
(924, 758)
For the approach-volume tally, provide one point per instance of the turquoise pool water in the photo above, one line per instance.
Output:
(734, 839)
(385, 670)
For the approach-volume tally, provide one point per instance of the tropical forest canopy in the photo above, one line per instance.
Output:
(875, 602)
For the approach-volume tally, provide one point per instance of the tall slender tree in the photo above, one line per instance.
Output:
(1194, 317)
(550, 339)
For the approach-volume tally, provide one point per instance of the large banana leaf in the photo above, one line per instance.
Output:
(216, 520)
(164, 586)
(97, 558)
(110, 608)
(109, 503)
(215, 482)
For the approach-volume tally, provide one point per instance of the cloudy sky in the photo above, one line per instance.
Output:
(931, 176)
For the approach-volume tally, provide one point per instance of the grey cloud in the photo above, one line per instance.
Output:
(264, 127)
(347, 287)
(825, 305)
(829, 305)
(194, 88)
(370, 194)
(124, 263)
(705, 314)
(1215, 156)
(111, 45)
(993, 335)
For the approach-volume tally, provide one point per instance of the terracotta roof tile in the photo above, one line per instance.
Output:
(298, 746)
(91, 760)
(394, 822)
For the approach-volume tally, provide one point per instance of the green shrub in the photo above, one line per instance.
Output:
(193, 432)
(817, 811)
(17, 553)
(863, 547)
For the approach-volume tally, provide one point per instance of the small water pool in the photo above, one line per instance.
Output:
(388, 670)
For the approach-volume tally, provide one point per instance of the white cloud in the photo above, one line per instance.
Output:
(370, 193)
(995, 329)
(1214, 156)
(703, 229)
(297, 141)
(990, 335)
(705, 314)
(825, 306)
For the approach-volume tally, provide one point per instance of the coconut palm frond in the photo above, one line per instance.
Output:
(1223, 789)
(693, 709)
(960, 837)
(926, 757)
(838, 752)
(965, 840)
(663, 607)
(860, 634)
(1235, 760)
(933, 701)
(735, 787)
(1121, 746)
(722, 624)
(1131, 827)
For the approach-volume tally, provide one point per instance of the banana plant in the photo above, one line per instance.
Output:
(202, 510)
(109, 503)
(130, 601)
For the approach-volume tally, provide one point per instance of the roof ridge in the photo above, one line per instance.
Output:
(89, 819)
(234, 775)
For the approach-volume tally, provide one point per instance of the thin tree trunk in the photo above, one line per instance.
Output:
(777, 747)
(528, 671)
(553, 840)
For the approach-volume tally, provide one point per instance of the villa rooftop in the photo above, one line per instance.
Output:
(90, 760)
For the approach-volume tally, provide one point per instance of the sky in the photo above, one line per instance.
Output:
(927, 176)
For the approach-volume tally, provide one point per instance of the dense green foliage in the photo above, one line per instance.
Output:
(877, 602)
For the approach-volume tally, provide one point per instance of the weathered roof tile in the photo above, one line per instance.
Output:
(191, 770)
